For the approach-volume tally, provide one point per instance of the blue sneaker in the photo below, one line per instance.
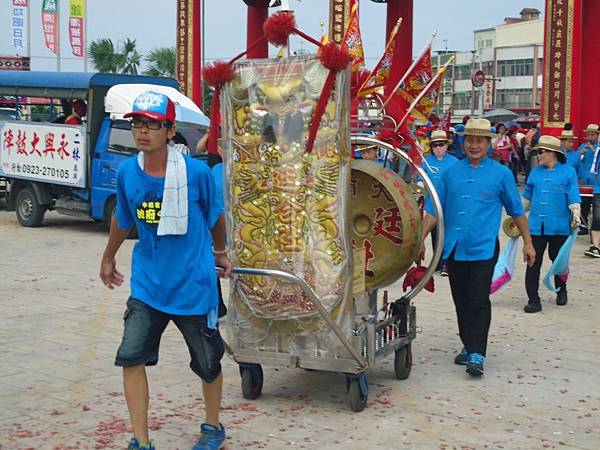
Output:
(475, 364)
(134, 444)
(213, 438)
(462, 358)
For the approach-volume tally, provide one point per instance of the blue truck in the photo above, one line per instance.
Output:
(48, 165)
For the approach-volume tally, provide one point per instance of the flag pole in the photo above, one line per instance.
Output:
(412, 66)
(387, 46)
(423, 92)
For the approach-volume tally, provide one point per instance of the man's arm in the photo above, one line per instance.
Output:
(528, 250)
(220, 248)
(429, 223)
(109, 274)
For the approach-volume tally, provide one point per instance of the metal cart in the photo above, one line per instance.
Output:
(364, 342)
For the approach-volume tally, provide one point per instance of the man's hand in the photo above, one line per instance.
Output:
(109, 274)
(528, 254)
(224, 262)
(421, 255)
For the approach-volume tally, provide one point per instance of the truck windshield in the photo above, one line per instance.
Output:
(121, 139)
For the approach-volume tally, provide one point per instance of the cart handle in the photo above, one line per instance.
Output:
(363, 140)
(282, 275)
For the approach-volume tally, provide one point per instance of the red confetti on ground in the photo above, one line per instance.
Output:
(20, 432)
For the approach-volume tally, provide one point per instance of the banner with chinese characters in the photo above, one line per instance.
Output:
(53, 154)
(339, 17)
(50, 24)
(189, 49)
(19, 34)
(558, 56)
(76, 31)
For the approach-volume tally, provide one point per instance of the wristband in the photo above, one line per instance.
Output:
(219, 252)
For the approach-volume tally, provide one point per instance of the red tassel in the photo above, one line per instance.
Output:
(217, 73)
(333, 57)
(319, 110)
(278, 27)
(215, 121)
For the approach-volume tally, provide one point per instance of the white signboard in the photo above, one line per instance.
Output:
(47, 153)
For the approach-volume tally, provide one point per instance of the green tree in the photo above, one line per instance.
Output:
(161, 62)
(106, 57)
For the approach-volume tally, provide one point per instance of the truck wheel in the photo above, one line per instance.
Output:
(29, 212)
(109, 211)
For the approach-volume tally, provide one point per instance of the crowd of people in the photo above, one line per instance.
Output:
(474, 168)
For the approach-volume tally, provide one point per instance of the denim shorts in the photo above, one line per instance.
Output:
(144, 326)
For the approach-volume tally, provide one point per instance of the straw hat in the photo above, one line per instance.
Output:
(552, 144)
(438, 135)
(592, 128)
(478, 127)
(567, 134)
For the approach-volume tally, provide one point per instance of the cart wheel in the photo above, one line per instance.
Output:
(403, 362)
(251, 388)
(357, 399)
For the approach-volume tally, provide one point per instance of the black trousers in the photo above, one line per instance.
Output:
(586, 207)
(470, 283)
(532, 275)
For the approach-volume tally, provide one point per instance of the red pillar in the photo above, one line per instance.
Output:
(570, 89)
(589, 94)
(197, 96)
(404, 44)
(257, 15)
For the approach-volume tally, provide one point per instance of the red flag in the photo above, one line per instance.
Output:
(381, 72)
(445, 121)
(353, 40)
(418, 77)
(427, 103)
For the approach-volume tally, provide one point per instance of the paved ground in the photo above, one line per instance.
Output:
(59, 329)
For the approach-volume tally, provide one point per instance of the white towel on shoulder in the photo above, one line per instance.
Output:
(174, 208)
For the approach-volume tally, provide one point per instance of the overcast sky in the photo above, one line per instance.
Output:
(152, 24)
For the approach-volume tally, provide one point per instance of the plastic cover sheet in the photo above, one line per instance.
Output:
(287, 209)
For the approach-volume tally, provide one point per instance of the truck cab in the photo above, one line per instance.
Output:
(72, 168)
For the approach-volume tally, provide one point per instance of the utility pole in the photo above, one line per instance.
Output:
(472, 85)
(58, 35)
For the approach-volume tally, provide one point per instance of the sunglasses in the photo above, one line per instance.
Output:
(438, 144)
(150, 124)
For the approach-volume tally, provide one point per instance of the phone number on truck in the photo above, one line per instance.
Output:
(43, 170)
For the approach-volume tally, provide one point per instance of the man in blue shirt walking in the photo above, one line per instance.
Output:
(473, 192)
(171, 199)
(553, 194)
(587, 151)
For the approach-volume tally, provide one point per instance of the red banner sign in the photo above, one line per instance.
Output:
(50, 25)
(558, 54)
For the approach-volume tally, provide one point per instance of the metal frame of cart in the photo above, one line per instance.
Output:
(369, 339)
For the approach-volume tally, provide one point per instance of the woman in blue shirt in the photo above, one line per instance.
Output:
(553, 194)
(435, 165)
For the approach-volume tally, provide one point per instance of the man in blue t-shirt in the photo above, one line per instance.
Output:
(587, 151)
(172, 201)
(472, 193)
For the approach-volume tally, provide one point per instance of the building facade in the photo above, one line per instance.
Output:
(510, 55)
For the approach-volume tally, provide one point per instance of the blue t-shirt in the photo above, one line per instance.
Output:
(472, 198)
(175, 273)
(217, 173)
(550, 192)
(435, 167)
(587, 177)
(574, 160)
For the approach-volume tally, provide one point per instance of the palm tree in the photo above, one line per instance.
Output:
(162, 62)
(129, 57)
(105, 57)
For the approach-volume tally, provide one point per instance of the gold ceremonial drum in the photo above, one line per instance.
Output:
(386, 222)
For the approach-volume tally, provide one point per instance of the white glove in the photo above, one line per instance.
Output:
(575, 215)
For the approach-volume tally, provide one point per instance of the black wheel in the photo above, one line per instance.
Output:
(29, 212)
(251, 388)
(403, 362)
(109, 212)
(357, 400)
